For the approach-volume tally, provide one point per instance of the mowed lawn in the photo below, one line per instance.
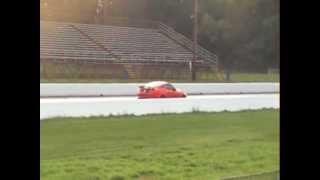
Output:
(171, 146)
(254, 77)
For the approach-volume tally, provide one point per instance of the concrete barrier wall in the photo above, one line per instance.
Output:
(229, 88)
(129, 89)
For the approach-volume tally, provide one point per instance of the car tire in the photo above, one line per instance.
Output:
(162, 96)
(184, 96)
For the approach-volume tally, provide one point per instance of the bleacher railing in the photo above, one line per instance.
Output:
(103, 57)
(205, 54)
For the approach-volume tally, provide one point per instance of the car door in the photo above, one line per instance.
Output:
(170, 90)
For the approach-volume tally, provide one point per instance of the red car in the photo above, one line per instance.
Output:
(159, 89)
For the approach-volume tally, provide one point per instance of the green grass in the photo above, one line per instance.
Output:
(254, 77)
(235, 77)
(170, 146)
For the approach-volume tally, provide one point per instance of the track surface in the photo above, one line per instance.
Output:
(76, 107)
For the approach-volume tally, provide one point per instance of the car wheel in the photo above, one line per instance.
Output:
(162, 96)
(183, 95)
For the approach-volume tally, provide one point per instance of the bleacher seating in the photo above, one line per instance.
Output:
(105, 42)
(62, 41)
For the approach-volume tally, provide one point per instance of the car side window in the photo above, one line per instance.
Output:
(168, 86)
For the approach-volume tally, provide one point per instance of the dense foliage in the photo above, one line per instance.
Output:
(243, 33)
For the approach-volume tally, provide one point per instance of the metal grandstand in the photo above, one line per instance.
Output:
(119, 42)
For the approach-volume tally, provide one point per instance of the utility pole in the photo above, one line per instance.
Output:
(195, 38)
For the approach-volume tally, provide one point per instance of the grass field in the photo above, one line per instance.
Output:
(171, 146)
(254, 77)
(235, 77)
